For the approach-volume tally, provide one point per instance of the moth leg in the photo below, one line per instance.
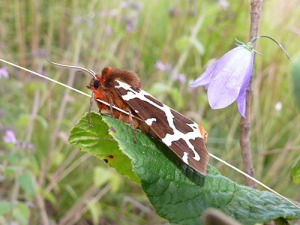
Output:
(131, 125)
(90, 110)
(110, 103)
(110, 128)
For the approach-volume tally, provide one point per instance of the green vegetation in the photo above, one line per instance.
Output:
(43, 176)
(171, 186)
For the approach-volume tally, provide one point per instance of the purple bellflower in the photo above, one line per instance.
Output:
(159, 65)
(4, 73)
(224, 3)
(228, 78)
(181, 77)
(10, 137)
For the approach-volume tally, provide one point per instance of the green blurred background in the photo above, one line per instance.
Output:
(169, 44)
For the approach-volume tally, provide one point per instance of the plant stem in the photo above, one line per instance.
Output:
(61, 111)
(245, 122)
(15, 192)
(20, 36)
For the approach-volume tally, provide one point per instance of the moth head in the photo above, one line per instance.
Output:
(94, 84)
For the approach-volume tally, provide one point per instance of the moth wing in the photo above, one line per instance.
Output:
(179, 133)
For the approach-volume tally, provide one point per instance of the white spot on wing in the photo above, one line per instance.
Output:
(169, 138)
(136, 111)
(185, 157)
(150, 121)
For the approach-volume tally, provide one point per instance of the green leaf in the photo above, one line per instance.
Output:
(198, 45)
(48, 195)
(295, 174)
(95, 210)
(97, 141)
(10, 170)
(295, 71)
(115, 182)
(57, 159)
(104, 175)
(101, 176)
(26, 183)
(71, 191)
(23, 120)
(21, 213)
(23, 209)
(13, 158)
(42, 121)
(5, 207)
(180, 194)
(182, 43)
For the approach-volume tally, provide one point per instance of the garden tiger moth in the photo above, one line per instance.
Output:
(122, 89)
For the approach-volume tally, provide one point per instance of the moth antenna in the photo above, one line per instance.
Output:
(75, 67)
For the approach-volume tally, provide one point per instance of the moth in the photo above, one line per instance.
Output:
(122, 89)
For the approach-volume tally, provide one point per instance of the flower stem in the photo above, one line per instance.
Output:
(245, 124)
(265, 36)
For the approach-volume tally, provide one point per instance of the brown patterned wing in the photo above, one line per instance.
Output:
(179, 133)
